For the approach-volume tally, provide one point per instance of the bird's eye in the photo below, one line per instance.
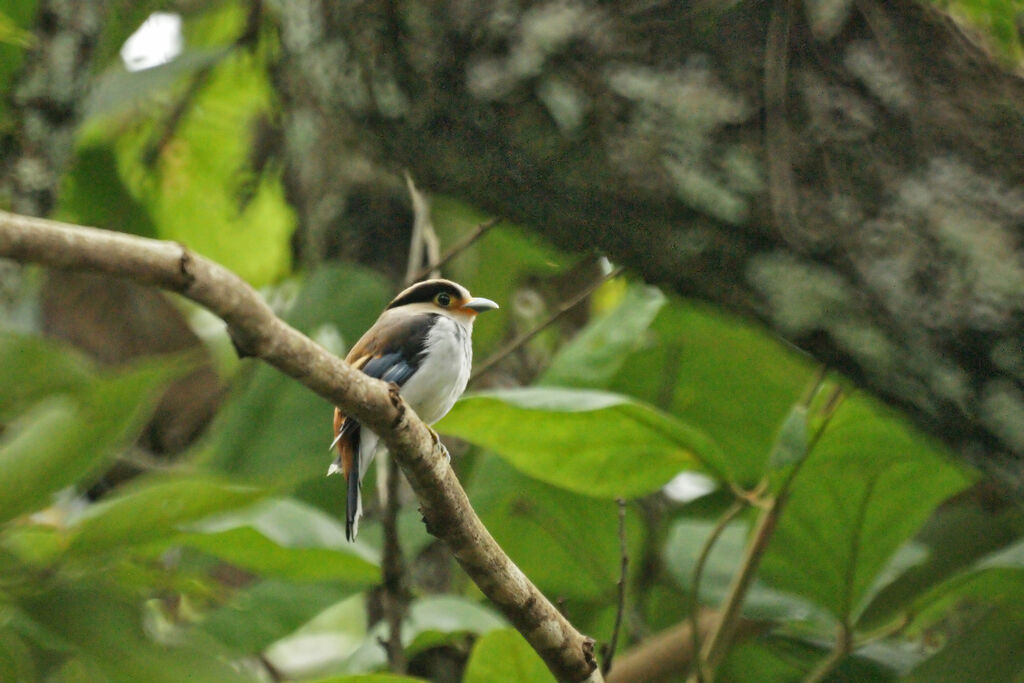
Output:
(443, 300)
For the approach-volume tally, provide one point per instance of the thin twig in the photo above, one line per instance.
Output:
(841, 650)
(393, 570)
(479, 231)
(420, 219)
(393, 573)
(522, 339)
(698, 574)
(781, 178)
(623, 572)
(721, 635)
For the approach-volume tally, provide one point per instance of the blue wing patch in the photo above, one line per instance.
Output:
(391, 367)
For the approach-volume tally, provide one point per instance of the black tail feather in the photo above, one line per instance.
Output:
(352, 494)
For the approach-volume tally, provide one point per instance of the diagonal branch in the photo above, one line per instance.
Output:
(256, 331)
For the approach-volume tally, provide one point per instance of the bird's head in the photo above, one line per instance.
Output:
(444, 297)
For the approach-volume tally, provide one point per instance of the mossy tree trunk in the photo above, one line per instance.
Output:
(847, 172)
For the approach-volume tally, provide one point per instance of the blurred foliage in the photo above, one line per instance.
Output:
(997, 22)
(232, 557)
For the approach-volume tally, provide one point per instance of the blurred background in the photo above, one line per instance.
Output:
(752, 259)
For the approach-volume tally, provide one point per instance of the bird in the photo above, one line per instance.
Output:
(422, 343)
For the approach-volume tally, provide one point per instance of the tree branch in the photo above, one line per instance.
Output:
(671, 652)
(258, 332)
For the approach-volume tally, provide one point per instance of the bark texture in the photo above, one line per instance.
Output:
(846, 171)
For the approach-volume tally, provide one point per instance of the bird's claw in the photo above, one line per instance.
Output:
(440, 444)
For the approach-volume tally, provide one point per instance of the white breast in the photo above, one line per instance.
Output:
(444, 370)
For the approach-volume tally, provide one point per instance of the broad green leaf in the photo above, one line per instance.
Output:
(370, 678)
(505, 657)
(990, 649)
(727, 376)
(63, 441)
(995, 580)
(867, 487)
(16, 661)
(956, 536)
(269, 611)
(541, 527)
(254, 552)
(685, 541)
(287, 522)
(997, 586)
(12, 34)
(431, 622)
(32, 368)
(274, 429)
(593, 356)
(93, 193)
(791, 445)
(438, 619)
(17, 19)
(155, 508)
(107, 630)
(590, 442)
(782, 659)
(285, 539)
(194, 172)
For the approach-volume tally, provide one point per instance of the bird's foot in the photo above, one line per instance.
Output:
(440, 444)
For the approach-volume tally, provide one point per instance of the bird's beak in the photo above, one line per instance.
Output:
(478, 304)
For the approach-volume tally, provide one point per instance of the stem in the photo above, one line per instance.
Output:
(698, 572)
(623, 570)
(714, 649)
(393, 573)
(840, 652)
(457, 249)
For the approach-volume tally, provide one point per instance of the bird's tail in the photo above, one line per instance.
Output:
(353, 501)
(348, 463)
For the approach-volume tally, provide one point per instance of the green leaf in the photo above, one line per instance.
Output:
(32, 368)
(254, 552)
(997, 586)
(502, 656)
(590, 442)
(369, 678)
(93, 192)
(541, 527)
(63, 442)
(782, 659)
(286, 540)
(16, 24)
(155, 508)
(118, 91)
(439, 619)
(791, 445)
(16, 662)
(592, 357)
(269, 611)
(990, 649)
(867, 487)
(956, 536)
(107, 630)
(686, 538)
(731, 378)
